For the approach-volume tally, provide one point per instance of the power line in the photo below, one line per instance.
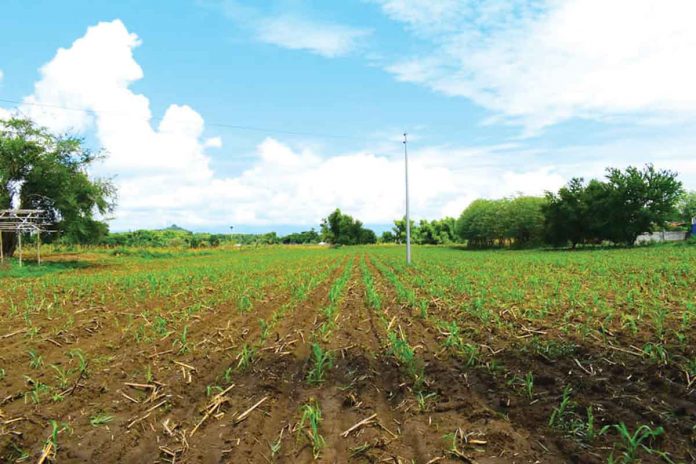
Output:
(209, 124)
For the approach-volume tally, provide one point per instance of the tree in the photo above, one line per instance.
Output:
(399, 230)
(49, 172)
(341, 229)
(626, 205)
(639, 201)
(387, 237)
(524, 220)
(686, 208)
(435, 232)
(481, 223)
(445, 230)
(308, 236)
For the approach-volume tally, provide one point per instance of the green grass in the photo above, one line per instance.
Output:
(12, 269)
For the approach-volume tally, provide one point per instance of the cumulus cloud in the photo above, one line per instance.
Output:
(164, 170)
(541, 62)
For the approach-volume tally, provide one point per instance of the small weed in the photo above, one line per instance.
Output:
(100, 419)
(423, 399)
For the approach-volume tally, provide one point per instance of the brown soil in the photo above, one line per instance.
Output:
(489, 418)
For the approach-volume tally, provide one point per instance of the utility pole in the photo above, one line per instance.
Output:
(408, 215)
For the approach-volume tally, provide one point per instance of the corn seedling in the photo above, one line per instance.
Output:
(558, 417)
(245, 357)
(321, 360)
(309, 423)
(81, 361)
(35, 360)
(62, 376)
(634, 442)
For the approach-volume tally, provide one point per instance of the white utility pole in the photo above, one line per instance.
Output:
(408, 215)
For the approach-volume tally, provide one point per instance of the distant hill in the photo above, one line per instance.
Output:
(175, 228)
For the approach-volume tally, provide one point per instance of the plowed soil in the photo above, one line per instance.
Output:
(200, 406)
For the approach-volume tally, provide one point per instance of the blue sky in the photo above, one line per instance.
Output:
(499, 97)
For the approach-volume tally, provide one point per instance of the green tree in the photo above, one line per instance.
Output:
(567, 215)
(638, 201)
(399, 230)
(435, 232)
(341, 229)
(686, 208)
(626, 205)
(309, 236)
(524, 220)
(387, 237)
(481, 224)
(49, 172)
(445, 230)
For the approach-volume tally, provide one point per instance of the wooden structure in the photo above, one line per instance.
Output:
(20, 221)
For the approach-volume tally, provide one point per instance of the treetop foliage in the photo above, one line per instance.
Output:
(435, 232)
(341, 229)
(515, 221)
(49, 172)
(619, 209)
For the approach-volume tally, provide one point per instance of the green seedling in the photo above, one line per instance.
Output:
(422, 399)
(634, 442)
(321, 360)
(62, 376)
(100, 419)
(35, 360)
(309, 423)
(558, 416)
(245, 357)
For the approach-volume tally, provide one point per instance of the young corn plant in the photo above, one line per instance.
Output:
(244, 304)
(62, 376)
(526, 384)
(245, 357)
(373, 298)
(35, 359)
(406, 357)
(321, 360)
(82, 363)
(634, 442)
(309, 423)
(559, 416)
(182, 341)
(50, 448)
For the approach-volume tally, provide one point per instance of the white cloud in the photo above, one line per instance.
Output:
(293, 31)
(323, 38)
(164, 172)
(541, 62)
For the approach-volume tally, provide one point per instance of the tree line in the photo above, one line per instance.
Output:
(40, 170)
(615, 210)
